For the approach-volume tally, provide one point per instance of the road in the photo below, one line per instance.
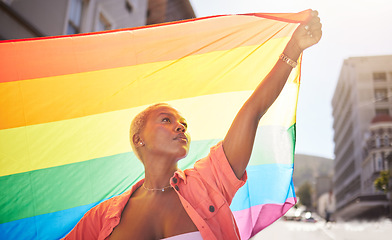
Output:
(289, 230)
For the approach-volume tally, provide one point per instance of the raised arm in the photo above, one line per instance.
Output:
(239, 140)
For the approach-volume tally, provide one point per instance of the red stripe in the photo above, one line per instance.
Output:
(286, 17)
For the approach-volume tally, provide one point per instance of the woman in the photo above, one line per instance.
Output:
(194, 204)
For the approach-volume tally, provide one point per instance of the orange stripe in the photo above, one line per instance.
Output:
(21, 60)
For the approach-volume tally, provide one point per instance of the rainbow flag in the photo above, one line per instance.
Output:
(66, 104)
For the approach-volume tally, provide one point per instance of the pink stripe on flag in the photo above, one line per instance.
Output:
(254, 219)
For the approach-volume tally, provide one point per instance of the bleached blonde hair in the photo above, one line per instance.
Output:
(139, 122)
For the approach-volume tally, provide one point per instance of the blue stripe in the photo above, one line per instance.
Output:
(273, 189)
(46, 226)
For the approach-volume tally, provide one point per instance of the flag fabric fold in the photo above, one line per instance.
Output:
(66, 103)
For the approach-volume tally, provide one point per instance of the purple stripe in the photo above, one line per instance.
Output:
(254, 219)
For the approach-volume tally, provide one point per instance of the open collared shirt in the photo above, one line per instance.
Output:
(205, 191)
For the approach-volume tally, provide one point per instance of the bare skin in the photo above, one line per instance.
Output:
(153, 215)
(164, 140)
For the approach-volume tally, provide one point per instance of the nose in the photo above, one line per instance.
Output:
(180, 128)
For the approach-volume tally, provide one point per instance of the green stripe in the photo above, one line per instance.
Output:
(54, 189)
(273, 144)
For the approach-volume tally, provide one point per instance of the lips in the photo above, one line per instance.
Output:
(181, 137)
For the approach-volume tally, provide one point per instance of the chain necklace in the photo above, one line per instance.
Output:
(156, 189)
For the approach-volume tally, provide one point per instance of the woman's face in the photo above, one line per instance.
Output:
(165, 133)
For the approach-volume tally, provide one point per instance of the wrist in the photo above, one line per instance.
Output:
(292, 50)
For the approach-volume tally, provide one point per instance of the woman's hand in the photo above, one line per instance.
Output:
(307, 34)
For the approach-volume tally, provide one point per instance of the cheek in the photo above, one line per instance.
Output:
(160, 135)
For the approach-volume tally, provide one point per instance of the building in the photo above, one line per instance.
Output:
(38, 18)
(316, 171)
(160, 11)
(324, 197)
(323, 185)
(363, 91)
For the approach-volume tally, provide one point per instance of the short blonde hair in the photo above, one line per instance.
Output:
(139, 122)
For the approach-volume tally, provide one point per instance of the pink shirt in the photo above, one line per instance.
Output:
(205, 191)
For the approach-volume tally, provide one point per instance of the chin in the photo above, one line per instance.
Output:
(182, 155)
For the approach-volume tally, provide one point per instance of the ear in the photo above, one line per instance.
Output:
(137, 141)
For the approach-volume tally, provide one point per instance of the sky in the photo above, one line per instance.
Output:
(351, 28)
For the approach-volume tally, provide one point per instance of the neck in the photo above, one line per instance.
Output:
(158, 176)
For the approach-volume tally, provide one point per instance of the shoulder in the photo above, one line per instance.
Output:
(216, 154)
(96, 220)
(217, 164)
(215, 173)
(106, 209)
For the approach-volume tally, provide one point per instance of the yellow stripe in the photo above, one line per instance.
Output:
(52, 144)
(78, 95)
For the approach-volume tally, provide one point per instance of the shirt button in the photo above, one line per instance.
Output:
(212, 209)
(177, 188)
(174, 180)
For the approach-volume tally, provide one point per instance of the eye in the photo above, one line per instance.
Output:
(166, 120)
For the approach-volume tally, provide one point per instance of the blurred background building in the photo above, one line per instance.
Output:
(160, 11)
(39, 18)
(313, 180)
(362, 105)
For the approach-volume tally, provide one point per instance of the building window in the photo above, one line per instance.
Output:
(383, 111)
(103, 23)
(128, 6)
(379, 76)
(75, 16)
(381, 95)
(388, 159)
(386, 140)
(379, 163)
(378, 141)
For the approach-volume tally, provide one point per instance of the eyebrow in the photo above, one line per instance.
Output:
(172, 115)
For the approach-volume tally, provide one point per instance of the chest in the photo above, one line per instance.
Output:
(155, 217)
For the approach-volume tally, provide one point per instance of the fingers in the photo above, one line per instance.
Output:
(313, 26)
(314, 23)
(314, 19)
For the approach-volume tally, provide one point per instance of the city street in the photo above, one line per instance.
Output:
(291, 230)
